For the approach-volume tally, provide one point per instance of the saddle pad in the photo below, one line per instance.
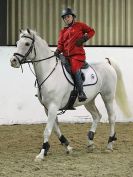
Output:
(89, 73)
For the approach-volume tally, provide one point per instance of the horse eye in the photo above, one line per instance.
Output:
(27, 43)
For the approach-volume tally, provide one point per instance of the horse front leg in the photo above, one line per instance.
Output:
(52, 113)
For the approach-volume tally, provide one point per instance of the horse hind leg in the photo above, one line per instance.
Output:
(109, 104)
(91, 107)
(62, 138)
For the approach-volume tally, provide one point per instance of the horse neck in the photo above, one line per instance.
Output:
(42, 49)
(43, 68)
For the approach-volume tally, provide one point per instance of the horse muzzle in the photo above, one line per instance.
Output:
(14, 62)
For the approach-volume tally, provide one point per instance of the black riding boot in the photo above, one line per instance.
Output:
(79, 86)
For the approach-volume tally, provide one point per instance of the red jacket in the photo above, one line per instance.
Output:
(68, 37)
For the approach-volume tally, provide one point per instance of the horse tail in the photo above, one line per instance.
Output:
(121, 96)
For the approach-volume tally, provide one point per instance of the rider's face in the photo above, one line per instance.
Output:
(68, 19)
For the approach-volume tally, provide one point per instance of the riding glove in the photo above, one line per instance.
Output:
(80, 41)
(57, 53)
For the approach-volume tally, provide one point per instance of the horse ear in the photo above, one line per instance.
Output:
(28, 30)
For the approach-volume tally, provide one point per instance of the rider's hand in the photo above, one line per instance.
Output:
(79, 42)
(57, 53)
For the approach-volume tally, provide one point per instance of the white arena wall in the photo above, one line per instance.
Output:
(18, 104)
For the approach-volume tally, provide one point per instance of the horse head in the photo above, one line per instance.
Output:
(25, 48)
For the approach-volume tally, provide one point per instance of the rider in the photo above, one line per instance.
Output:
(70, 43)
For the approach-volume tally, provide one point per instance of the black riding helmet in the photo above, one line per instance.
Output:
(68, 11)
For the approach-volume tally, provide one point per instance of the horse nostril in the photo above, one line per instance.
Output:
(14, 60)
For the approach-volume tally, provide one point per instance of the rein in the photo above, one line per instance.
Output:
(39, 60)
(24, 60)
(39, 86)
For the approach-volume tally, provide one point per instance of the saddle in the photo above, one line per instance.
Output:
(88, 75)
(66, 64)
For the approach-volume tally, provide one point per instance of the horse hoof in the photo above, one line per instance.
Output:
(40, 156)
(90, 148)
(38, 159)
(108, 150)
(69, 149)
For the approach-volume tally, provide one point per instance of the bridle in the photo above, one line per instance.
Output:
(24, 57)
